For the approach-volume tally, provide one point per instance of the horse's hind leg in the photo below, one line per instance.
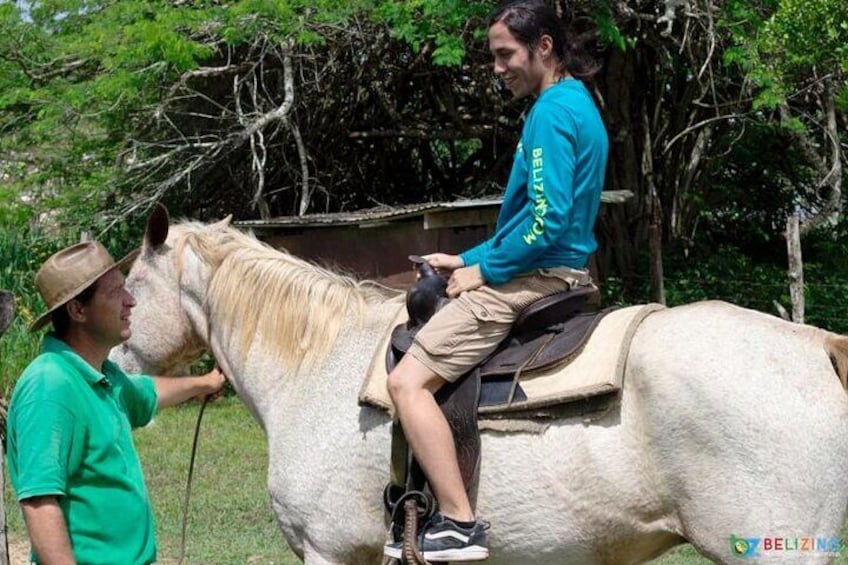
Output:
(749, 431)
(723, 543)
(778, 490)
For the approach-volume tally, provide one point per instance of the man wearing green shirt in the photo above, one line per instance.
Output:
(71, 455)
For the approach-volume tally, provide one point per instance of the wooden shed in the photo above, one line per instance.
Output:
(374, 243)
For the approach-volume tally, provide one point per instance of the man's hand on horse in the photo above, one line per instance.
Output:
(463, 279)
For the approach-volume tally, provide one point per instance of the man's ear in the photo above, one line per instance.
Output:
(545, 46)
(75, 310)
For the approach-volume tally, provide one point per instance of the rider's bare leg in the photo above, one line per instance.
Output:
(411, 386)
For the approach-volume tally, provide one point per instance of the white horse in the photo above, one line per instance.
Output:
(730, 422)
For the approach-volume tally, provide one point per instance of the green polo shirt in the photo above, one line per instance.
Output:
(68, 435)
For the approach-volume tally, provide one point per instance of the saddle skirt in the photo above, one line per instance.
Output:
(545, 382)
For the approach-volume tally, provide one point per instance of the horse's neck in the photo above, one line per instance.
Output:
(273, 391)
(261, 382)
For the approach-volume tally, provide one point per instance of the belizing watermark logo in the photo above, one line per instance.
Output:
(744, 547)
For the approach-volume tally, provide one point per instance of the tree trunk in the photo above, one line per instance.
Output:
(616, 226)
(829, 190)
(657, 282)
(655, 232)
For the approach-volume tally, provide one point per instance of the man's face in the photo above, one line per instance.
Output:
(522, 74)
(108, 312)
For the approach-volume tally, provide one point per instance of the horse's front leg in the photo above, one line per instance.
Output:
(312, 557)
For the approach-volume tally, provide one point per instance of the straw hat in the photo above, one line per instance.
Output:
(70, 271)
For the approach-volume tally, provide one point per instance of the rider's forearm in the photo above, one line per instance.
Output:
(48, 531)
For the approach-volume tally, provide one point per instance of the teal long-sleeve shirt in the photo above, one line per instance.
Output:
(551, 200)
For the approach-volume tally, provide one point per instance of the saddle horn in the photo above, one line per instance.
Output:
(426, 295)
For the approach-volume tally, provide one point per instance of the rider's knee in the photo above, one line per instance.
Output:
(396, 385)
(401, 384)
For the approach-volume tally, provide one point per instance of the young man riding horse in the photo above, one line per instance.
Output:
(541, 245)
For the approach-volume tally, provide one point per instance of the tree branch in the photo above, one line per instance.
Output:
(427, 132)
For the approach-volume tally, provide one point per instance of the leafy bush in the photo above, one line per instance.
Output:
(732, 275)
(22, 251)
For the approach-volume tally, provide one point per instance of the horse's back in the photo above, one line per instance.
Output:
(748, 419)
(742, 351)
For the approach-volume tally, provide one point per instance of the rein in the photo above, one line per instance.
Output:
(188, 480)
(184, 525)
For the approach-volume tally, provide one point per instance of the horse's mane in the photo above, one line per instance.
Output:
(294, 308)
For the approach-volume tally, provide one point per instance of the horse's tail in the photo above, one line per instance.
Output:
(837, 348)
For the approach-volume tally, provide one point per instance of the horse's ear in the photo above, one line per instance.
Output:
(225, 223)
(157, 227)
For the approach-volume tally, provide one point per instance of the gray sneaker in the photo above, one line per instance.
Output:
(443, 540)
(393, 549)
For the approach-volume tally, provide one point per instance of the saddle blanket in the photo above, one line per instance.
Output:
(597, 370)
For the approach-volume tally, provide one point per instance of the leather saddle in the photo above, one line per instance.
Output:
(561, 314)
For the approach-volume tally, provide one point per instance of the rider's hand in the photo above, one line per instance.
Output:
(444, 263)
(463, 279)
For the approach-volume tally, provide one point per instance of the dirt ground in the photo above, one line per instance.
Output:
(18, 551)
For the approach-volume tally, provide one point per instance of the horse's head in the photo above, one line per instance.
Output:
(7, 309)
(200, 286)
(169, 282)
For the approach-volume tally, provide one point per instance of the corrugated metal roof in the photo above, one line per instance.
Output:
(382, 214)
(368, 216)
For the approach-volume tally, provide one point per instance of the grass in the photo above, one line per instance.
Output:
(230, 518)
(17, 348)
(682, 555)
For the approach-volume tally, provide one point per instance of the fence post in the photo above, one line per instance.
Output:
(795, 272)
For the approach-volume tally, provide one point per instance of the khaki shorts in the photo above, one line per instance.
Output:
(469, 328)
